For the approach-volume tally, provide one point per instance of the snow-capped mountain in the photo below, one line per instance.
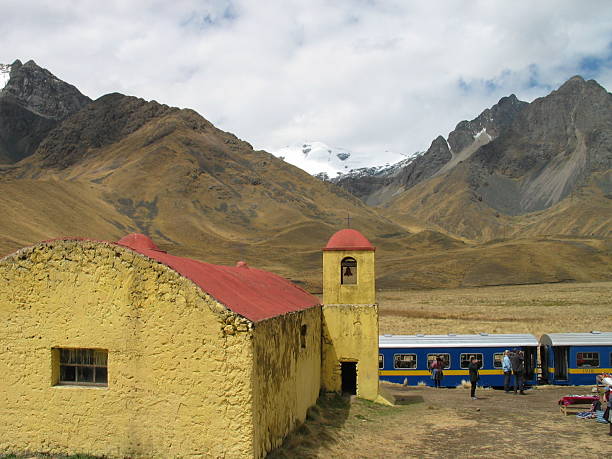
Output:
(320, 159)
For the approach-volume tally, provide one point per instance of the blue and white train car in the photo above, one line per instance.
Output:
(405, 359)
(575, 358)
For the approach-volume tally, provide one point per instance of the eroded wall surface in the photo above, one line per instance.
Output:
(350, 334)
(179, 364)
(287, 376)
(363, 292)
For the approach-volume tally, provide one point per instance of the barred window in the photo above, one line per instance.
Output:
(587, 359)
(405, 361)
(86, 367)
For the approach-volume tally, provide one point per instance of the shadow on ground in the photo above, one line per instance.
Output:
(323, 421)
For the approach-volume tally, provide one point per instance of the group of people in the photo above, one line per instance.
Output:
(513, 364)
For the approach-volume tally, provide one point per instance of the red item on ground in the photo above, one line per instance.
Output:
(577, 399)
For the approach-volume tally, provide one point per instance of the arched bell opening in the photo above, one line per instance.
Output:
(348, 271)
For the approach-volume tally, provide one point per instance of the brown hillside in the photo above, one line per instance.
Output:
(199, 191)
(121, 164)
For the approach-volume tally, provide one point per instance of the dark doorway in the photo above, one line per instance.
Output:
(561, 361)
(349, 377)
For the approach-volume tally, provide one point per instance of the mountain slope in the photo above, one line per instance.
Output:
(513, 177)
(121, 164)
(197, 190)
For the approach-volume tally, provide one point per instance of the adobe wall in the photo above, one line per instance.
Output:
(179, 364)
(350, 334)
(287, 377)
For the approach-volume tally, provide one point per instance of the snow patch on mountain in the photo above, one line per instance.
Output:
(5, 71)
(320, 159)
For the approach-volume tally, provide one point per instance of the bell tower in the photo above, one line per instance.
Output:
(350, 316)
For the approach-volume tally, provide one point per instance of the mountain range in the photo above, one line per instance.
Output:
(479, 208)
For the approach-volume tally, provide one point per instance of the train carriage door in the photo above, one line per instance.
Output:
(561, 362)
(530, 362)
(544, 364)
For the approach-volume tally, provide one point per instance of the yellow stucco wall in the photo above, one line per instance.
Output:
(286, 376)
(363, 292)
(179, 364)
(350, 333)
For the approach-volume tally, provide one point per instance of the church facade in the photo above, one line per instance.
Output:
(121, 349)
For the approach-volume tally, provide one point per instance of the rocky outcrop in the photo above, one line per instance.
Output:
(32, 103)
(39, 91)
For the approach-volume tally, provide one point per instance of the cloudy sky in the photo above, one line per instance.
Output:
(373, 77)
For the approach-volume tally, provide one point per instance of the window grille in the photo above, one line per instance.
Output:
(85, 367)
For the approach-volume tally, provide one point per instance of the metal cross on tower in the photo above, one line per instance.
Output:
(348, 220)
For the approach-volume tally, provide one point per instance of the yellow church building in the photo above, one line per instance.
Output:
(123, 350)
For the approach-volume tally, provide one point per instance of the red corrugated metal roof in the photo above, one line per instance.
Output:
(252, 293)
(249, 292)
(348, 239)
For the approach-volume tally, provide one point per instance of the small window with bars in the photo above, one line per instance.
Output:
(83, 367)
(587, 359)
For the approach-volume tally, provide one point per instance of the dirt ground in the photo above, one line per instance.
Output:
(447, 423)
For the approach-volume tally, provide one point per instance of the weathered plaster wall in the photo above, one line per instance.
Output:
(350, 333)
(363, 292)
(287, 377)
(179, 364)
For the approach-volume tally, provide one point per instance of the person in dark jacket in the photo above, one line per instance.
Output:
(474, 376)
(517, 361)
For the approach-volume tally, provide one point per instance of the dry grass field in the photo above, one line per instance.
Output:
(537, 309)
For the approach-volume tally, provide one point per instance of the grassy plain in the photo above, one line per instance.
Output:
(536, 309)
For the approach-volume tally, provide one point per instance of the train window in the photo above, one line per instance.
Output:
(445, 360)
(587, 359)
(467, 358)
(497, 359)
(611, 359)
(405, 361)
(381, 361)
(348, 271)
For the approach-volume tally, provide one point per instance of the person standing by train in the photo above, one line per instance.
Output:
(517, 361)
(474, 376)
(440, 372)
(507, 368)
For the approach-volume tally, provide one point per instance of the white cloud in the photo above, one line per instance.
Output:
(371, 76)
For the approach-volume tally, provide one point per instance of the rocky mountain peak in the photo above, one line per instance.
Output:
(41, 92)
(491, 122)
